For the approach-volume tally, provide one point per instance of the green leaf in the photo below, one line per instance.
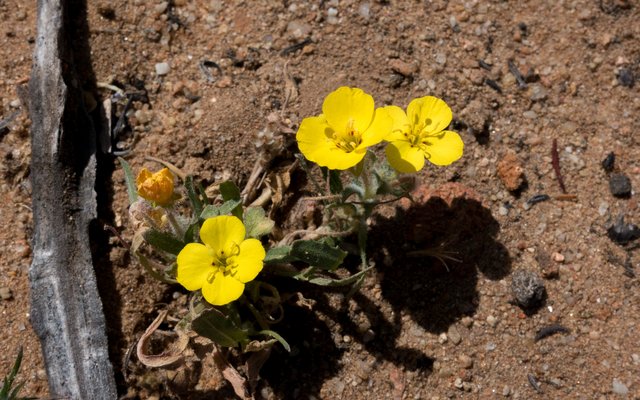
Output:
(214, 325)
(276, 336)
(318, 254)
(194, 197)
(130, 180)
(257, 223)
(229, 191)
(150, 268)
(278, 255)
(225, 208)
(163, 241)
(335, 183)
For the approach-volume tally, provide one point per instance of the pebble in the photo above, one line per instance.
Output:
(162, 68)
(465, 361)
(364, 9)
(609, 161)
(492, 321)
(299, 29)
(5, 293)
(528, 288)
(442, 339)
(620, 185)
(506, 391)
(441, 58)
(619, 388)
(557, 257)
(41, 374)
(538, 93)
(403, 68)
(332, 16)
(467, 321)
(636, 358)
(603, 208)
(15, 103)
(510, 172)
(21, 15)
(454, 335)
(458, 383)
(625, 77)
(530, 114)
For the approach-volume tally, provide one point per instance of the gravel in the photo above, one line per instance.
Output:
(5, 293)
(620, 185)
(619, 388)
(162, 68)
(528, 289)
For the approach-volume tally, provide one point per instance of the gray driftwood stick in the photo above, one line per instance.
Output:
(66, 311)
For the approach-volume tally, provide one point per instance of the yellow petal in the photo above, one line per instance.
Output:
(431, 112)
(444, 148)
(339, 159)
(222, 234)
(314, 135)
(378, 130)
(222, 290)
(404, 157)
(194, 265)
(142, 176)
(400, 123)
(346, 106)
(249, 260)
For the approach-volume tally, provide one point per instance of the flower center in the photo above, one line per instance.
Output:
(348, 140)
(418, 135)
(225, 262)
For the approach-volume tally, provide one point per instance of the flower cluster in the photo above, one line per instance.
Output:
(349, 124)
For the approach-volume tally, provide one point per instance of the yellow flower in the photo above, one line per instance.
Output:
(420, 134)
(338, 138)
(223, 264)
(156, 187)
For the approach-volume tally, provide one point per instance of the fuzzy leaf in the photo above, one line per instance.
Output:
(163, 241)
(194, 197)
(277, 336)
(225, 208)
(257, 223)
(318, 254)
(229, 191)
(130, 180)
(278, 255)
(214, 325)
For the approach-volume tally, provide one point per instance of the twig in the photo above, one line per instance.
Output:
(287, 239)
(522, 84)
(555, 162)
(295, 47)
(321, 198)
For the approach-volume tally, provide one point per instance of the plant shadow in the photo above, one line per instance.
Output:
(314, 356)
(415, 273)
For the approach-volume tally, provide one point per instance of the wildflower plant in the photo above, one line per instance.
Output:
(341, 139)
(221, 250)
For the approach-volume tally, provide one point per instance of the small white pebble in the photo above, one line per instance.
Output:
(557, 257)
(619, 387)
(162, 68)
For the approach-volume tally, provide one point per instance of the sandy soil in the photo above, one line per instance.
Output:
(419, 329)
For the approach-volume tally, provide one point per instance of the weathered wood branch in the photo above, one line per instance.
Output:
(66, 311)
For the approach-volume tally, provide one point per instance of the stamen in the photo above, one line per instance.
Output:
(211, 276)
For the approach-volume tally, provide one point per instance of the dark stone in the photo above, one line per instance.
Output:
(609, 162)
(528, 289)
(625, 77)
(622, 233)
(620, 185)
